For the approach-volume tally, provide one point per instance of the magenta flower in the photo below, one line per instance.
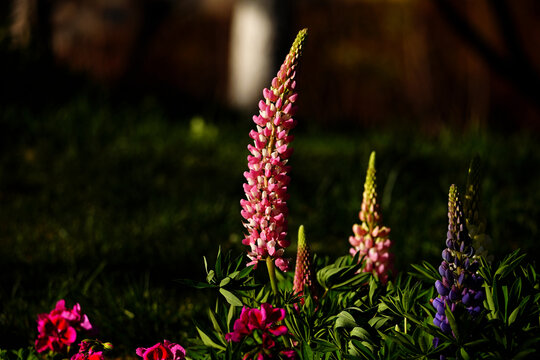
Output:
(74, 316)
(58, 329)
(54, 333)
(88, 350)
(265, 207)
(262, 323)
(165, 350)
(263, 319)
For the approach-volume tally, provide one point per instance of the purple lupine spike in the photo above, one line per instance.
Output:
(460, 285)
(265, 207)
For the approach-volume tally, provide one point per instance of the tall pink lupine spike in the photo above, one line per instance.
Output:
(371, 238)
(265, 207)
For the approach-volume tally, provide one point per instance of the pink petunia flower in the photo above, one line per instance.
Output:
(91, 350)
(57, 330)
(265, 207)
(74, 316)
(264, 321)
(55, 333)
(165, 350)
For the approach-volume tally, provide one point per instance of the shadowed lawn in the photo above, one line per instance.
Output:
(107, 205)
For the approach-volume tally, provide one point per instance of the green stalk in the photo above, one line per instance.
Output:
(272, 274)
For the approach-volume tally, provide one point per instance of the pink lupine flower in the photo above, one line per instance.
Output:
(265, 207)
(58, 329)
(371, 238)
(264, 321)
(165, 350)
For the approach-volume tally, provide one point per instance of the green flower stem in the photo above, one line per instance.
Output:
(272, 274)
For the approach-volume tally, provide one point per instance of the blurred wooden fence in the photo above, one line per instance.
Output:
(413, 62)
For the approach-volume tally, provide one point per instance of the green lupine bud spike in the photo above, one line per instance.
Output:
(370, 209)
(472, 193)
(452, 206)
(303, 274)
(475, 223)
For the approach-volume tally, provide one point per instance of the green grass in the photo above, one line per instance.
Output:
(107, 205)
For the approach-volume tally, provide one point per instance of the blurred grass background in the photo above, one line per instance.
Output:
(110, 192)
(107, 205)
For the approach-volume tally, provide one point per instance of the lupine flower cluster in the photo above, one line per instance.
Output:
(460, 285)
(262, 325)
(304, 273)
(265, 208)
(371, 238)
(57, 330)
(165, 350)
(475, 224)
(91, 350)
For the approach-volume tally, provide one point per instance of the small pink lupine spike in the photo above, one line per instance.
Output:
(371, 238)
(265, 207)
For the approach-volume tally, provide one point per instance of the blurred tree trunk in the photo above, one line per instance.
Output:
(255, 34)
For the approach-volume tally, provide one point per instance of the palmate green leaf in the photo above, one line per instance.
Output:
(509, 263)
(345, 319)
(361, 349)
(425, 272)
(360, 333)
(342, 274)
(377, 322)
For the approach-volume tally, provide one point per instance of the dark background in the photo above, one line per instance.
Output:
(121, 156)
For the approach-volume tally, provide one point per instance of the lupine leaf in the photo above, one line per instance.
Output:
(360, 333)
(524, 354)
(324, 346)
(345, 319)
(425, 272)
(518, 310)
(452, 321)
(377, 322)
(218, 264)
(307, 353)
(464, 354)
(504, 290)
(359, 348)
